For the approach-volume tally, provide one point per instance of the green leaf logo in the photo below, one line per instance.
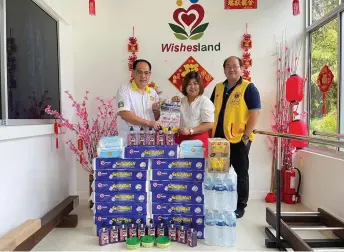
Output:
(180, 36)
(178, 29)
(197, 36)
(200, 29)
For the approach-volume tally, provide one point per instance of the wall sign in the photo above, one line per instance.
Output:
(240, 4)
(190, 65)
(188, 25)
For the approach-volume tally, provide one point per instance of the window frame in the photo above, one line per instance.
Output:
(5, 121)
(338, 13)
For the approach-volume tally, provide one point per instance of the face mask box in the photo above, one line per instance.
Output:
(183, 209)
(187, 219)
(110, 208)
(149, 152)
(181, 163)
(162, 197)
(120, 197)
(102, 175)
(176, 187)
(177, 175)
(119, 186)
(118, 164)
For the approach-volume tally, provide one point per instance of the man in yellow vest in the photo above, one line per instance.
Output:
(237, 106)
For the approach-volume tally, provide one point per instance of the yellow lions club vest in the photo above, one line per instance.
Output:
(236, 112)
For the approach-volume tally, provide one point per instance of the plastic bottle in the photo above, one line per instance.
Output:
(114, 234)
(230, 229)
(151, 137)
(160, 140)
(210, 225)
(142, 137)
(169, 137)
(103, 236)
(131, 137)
(208, 187)
(231, 186)
(172, 231)
(191, 236)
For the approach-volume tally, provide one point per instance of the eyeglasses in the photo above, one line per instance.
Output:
(232, 67)
(139, 72)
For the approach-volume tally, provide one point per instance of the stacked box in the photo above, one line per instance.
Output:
(120, 191)
(218, 155)
(176, 192)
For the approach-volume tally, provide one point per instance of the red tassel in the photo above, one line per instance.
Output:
(56, 131)
(324, 104)
(296, 7)
(92, 7)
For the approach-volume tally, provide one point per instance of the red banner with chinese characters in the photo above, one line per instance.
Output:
(190, 65)
(240, 4)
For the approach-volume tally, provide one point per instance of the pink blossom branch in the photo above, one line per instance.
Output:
(88, 130)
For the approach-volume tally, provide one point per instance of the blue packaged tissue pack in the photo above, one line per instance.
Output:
(120, 175)
(119, 186)
(106, 142)
(176, 187)
(110, 153)
(113, 208)
(196, 220)
(191, 143)
(121, 197)
(191, 152)
(181, 163)
(185, 198)
(119, 163)
(178, 175)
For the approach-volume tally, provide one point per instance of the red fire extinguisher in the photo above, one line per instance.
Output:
(291, 193)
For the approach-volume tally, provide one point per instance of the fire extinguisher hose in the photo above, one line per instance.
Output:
(299, 185)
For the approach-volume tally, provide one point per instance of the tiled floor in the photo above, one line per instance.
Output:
(250, 233)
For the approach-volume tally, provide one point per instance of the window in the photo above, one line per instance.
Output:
(325, 49)
(321, 8)
(32, 63)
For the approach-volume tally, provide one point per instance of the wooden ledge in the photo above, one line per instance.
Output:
(27, 235)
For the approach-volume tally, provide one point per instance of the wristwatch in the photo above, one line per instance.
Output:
(245, 137)
(191, 131)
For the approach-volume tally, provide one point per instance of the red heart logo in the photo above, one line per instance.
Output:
(187, 17)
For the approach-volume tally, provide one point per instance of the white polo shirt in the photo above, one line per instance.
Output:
(129, 98)
(201, 110)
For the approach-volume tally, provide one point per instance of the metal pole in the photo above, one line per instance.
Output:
(278, 202)
(317, 133)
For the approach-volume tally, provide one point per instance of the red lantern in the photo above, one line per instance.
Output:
(325, 79)
(294, 88)
(298, 127)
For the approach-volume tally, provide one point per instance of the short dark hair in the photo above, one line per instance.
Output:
(189, 76)
(240, 61)
(142, 60)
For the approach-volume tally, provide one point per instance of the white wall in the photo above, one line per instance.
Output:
(322, 178)
(100, 50)
(34, 175)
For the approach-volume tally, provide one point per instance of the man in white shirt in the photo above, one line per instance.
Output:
(137, 104)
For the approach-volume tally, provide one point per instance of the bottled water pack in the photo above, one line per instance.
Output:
(220, 202)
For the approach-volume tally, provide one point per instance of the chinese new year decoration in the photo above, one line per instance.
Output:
(92, 7)
(246, 44)
(190, 65)
(325, 80)
(56, 132)
(294, 89)
(240, 4)
(133, 47)
(296, 7)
